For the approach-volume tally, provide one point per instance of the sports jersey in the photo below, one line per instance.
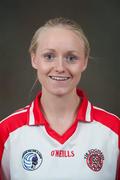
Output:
(31, 150)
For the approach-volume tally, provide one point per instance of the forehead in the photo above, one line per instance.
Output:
(59, 36)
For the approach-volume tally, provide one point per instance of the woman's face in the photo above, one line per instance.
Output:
(59, 60)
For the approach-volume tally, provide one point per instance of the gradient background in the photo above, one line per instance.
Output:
(101, 22)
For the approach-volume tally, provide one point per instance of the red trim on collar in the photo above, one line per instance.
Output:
(83, 115)
(62, 138)
(83, 107)
(38, 115)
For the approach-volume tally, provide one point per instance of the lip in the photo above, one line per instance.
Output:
(59, 78)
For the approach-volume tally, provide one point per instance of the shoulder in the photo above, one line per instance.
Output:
(14, 121)
(99, 112)
(106, 118)
(11, 123)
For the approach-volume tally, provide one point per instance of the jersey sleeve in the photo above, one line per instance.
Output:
(4, 134)
(118, 164)
(2, 141)
(118, 169)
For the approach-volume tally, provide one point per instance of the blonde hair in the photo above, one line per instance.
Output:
(66, 23)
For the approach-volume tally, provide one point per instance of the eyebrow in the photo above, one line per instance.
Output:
(69, 51)
(49, 50)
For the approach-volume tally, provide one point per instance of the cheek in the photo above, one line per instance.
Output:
(81, 66)
(41, 77)
(42, 73)
(76, 73)
(76, 70)
(42, 68)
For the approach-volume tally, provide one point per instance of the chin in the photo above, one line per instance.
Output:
(60, 92)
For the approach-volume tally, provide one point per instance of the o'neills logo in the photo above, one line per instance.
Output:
(94, 159)
(62, 153)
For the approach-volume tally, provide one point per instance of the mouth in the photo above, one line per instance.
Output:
(59, 78)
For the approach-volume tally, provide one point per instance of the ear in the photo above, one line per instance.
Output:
(85, 63)
(34, 61)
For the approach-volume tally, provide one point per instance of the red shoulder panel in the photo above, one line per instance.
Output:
(10, 124)
(108, 119)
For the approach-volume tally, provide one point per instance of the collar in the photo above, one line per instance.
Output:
(36, 116)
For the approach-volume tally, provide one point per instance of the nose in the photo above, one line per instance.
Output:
(60, 65)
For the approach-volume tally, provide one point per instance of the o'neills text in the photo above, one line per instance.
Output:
(62, 153)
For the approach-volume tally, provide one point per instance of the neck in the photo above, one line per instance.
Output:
(60, 110)
(59, 104)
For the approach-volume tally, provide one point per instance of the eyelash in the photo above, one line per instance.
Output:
(49, 56)
(71, 58)
(68, 58)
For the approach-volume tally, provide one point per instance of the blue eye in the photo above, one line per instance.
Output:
(71, 58)
(49, 56)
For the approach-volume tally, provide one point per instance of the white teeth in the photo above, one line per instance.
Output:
(59, 78)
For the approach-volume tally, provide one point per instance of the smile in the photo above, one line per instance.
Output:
(59, 78)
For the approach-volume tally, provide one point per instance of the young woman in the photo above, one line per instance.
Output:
(60, 135)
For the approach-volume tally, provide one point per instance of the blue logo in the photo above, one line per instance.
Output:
(31, 159)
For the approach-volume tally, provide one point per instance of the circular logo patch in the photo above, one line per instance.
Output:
(94, 159)
(31, 159)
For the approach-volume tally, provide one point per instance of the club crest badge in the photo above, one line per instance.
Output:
(94, 159)
(31, 159)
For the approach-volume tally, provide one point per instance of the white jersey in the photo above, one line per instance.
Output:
(31, 150)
